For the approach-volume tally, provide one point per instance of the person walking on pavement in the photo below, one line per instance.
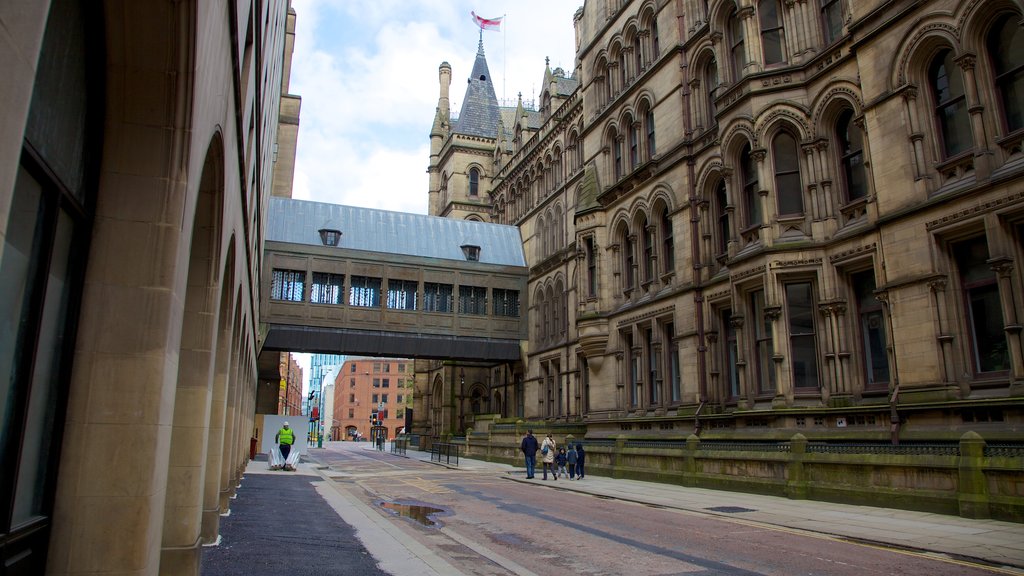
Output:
(571, 457)
(560, 463)
(285, 437)
(547, 450)
(581, 458)
(529, 448)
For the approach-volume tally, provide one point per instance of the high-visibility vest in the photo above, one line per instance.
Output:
(286, 436)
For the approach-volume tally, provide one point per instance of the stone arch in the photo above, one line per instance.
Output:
(709, 174)
(225, 355)
(435, 404)
(974, 23)
(196, 358)
(479, 399)
(843, 94)
(768, 123)
(930, 34)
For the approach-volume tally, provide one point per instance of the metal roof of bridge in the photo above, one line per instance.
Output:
(372, 230)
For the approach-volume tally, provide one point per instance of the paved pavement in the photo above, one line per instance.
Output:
(999, 544)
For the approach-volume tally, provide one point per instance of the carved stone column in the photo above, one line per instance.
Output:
(916, 136)
(982, 155)
(783, 393)
(944, 337)
(1003, 267)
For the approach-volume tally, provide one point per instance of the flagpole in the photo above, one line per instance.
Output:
(504, 54)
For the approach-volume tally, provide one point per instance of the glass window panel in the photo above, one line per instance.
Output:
(402, 294)
(721, 203)
(20, 250)
(787, 174)
(38, 439)
(803, 347)
(473, 300)
(1005, 46)
(832, 15)
(737, 50)
(327, 288)
(287, 285)
(872, 328)
(57, 122)
(750, 187)
(950, 104)
(364, 292)
(851, 145)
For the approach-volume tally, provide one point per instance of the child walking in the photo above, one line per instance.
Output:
(571, 457)
(560, 462)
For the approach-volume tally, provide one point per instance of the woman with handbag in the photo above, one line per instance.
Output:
(547, 450)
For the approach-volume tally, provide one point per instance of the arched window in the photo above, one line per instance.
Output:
(772, 34)
(851, 156)
(667, 243)
(736, 46)
(748, 177)
(579, 151)
(548, 334)
(474, 182)
(629, 278)
(634, 143)
(561, 313)
(788, 191)
(616, 155)
(559, 222)
(832, 19)
(950, 104)
(1005, 40)
(649, 121)
(722, 217)
(655, 47)
(650, 258)
(638, 56)
(554, 301)
(711, 84)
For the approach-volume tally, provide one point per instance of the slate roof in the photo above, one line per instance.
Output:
(299, 221)
(479, 114)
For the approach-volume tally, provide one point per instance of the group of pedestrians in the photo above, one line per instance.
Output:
(553, 458)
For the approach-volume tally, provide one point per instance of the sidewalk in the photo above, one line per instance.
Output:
(987, 541)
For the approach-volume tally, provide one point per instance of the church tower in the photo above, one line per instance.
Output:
(462, 148)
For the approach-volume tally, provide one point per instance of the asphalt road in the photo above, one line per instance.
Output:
(487, 524)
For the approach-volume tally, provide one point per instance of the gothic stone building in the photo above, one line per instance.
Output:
(760, 217)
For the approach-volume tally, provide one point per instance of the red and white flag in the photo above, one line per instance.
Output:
(487, 23)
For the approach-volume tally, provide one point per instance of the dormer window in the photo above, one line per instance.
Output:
(471, 252)
(330, 236)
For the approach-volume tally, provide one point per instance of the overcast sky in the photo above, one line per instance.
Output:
(366, 71)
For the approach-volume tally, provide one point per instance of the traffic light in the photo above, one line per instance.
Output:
(373, 418)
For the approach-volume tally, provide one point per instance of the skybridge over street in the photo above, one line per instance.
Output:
(360, 281)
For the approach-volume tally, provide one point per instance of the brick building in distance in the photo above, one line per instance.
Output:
(368, 385)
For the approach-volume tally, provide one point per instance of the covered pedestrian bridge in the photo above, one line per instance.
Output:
(348, 280)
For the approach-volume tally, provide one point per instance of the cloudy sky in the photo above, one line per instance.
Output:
(367, 74)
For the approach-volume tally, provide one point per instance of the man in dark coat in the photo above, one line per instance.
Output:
(529, 448)
(581, 459)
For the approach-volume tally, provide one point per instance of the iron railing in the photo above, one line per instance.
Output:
(399, 445)
(445, 453)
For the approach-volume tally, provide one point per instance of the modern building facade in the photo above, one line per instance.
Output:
(748, 219)
(135, 166)
(365, 387)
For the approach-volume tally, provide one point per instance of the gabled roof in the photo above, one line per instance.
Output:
(479, 114)
(299, 222)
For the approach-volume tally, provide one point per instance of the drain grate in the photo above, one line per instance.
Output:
(730, 509)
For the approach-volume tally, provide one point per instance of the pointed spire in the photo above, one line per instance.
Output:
(479, 114)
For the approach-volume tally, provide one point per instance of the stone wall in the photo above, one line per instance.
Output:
(969, 478)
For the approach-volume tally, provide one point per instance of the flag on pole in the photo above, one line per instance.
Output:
(487, 23)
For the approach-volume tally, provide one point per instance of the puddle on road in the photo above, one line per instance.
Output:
(417, 512)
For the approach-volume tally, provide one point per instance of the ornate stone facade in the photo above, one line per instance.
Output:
(750, 218)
